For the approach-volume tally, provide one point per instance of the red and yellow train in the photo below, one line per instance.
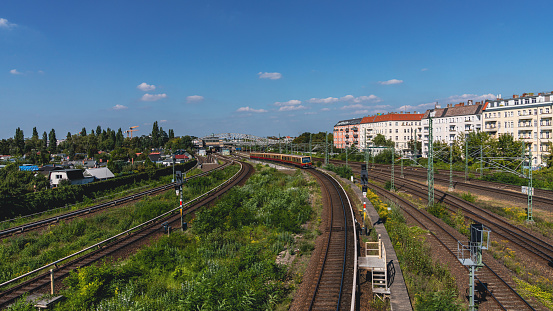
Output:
(297, 160)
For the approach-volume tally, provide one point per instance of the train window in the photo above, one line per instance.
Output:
(305, 160)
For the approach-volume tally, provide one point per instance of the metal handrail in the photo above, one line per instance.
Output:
(55, 263)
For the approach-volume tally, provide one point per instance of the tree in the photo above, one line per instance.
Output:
(44, 143)
(53, 142)
(19, 141)
(380, 140)
(155, 135)
(171, 134)
(119, 138)
(35, 133)
(83, 132)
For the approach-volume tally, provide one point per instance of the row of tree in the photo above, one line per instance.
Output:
(88, 144)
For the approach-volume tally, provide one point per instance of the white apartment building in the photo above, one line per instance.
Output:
(452, 122)
(526, 117)
(398, 127)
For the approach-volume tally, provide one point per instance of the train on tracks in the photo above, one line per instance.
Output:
(296, 160)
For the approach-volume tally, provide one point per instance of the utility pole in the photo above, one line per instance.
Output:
(466, 157)
(326, 148)
(392, 186)
(430, 168)
(450, 167)
(529, 216)
(481, 162)
(310, 136)
(279, 148)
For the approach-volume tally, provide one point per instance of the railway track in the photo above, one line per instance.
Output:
(64, 266)
(528, 243)
(490, 278)
(333, 282)
(85, 211)
(542, 198)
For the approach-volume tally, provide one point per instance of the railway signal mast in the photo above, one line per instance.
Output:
(471, 255)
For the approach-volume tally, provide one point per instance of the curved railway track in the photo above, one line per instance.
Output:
(85, 211)
(529, 243)
(333, 284)
(122, 241)
(489, 277)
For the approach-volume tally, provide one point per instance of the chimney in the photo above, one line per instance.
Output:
(515, 96)
(469, 102)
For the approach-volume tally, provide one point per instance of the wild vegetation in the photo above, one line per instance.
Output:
(21, 254)
(226, 261)
(431, 286)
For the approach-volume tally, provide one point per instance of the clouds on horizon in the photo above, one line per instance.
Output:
(390, 82)
(15, 72)
(119, 107)
(454, 99)
(153, 97)
(248, 109)
(269, 75)
(347, 98)
(194, 99)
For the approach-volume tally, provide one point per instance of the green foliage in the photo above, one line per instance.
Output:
(228, 265)
(17, 198)
(443, 300)
(430, 284)
(469, 197)
(343, 171)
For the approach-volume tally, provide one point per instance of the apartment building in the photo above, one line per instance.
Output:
(346, 133)
(398, 127)
(452, 122)
(526, 117)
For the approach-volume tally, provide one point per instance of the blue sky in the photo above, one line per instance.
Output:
(259, 67)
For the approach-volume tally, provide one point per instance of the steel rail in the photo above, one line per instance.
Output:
(88, 210)
(406, 202)
(113, 238)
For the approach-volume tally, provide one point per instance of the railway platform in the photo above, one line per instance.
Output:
(399, 296)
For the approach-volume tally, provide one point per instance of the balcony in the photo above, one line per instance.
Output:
(452, 129)
(347, 135)
(347, 130)
(355, 129)
(355, 135)
(545, 123)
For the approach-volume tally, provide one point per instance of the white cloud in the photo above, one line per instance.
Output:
(153, 97)
(270, 75)
(248, 109)
(15, 72)
(5, 24)
(347, 98)
(41, 72)
(325, 109)
(194, 99)
(421, 108)
(390, 82)
(288, 103)
(290, 108)
(146, 87)
(162, 121)
(310, 112)
(119, 107)
(455, 99)
(424, 69)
